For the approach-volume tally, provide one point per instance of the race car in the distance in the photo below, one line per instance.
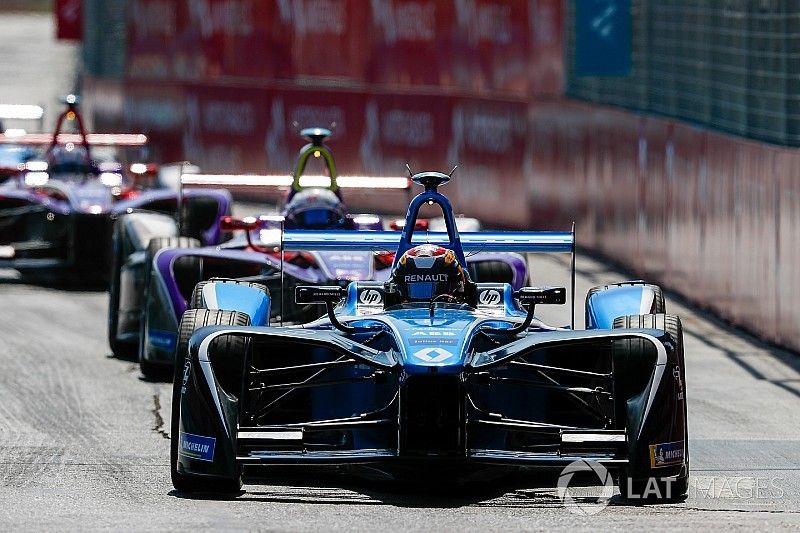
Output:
(430, 374)
(12, 156)
(157, 287)
(57, 211)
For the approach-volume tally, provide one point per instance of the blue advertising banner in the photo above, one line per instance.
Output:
(602, 37)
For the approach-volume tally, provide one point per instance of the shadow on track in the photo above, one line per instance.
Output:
(50, 280)
(334, 487)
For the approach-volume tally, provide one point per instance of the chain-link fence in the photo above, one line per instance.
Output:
(733, 65)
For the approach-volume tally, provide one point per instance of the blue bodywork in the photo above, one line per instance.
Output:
(604, 306)
(252, 302)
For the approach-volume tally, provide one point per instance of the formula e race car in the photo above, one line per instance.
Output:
(156, 287)
(430, 372)
(56, 214)
(12, 156)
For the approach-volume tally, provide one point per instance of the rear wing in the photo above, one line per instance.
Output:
(92, 139)
(471, 242)
(277, 180)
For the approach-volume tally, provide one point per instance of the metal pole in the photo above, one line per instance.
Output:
(572, 289)
(283, 300)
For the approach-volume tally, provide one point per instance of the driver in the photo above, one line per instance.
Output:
(315, 209)
(427, 272)
(69, 159)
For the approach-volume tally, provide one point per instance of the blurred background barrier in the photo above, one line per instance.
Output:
(714, 217)
(665, 181)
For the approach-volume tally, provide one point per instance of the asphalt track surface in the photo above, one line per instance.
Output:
(84, 444)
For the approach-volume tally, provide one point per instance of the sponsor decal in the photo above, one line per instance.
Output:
(490, 297)
(434, 337)
(197, 447)
(432, 342)
(666, 454)
(370, 297)
(434, 333)
(433, 355)
(412, 278)
(187, 368)
(163, 340)
(676, 373)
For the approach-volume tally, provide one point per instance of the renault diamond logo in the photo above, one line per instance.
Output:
(433, 355)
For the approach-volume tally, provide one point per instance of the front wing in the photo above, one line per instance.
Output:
(316, 397)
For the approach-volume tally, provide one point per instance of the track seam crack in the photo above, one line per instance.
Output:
(158, 426)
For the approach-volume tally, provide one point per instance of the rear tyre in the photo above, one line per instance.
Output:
(490, 272)
(194, 319)
(149, 369)
(677, 488)
(119, 349)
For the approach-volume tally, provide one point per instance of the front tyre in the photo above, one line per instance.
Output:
(118, 348)
(194, 319)
(150, 370)
(675, 487)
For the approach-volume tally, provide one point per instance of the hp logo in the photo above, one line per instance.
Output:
(489, 297)
(370, 297)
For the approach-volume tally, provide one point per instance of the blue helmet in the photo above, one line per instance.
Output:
(315, 209)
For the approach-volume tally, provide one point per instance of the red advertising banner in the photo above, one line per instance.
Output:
(69, 19)
(479, 47)
(546, 63)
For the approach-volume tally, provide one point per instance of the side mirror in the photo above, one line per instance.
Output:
(229, 223)
(528, 296)
(328, 295)
(310, 294)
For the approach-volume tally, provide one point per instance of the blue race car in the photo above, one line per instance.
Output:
(430, 372)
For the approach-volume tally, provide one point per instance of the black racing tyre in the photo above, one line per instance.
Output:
(672, 325)
(119, 349)
(194, 319)
(148, 369)
(159, 243)
(659, 305)
(490, 272)
(196, 301)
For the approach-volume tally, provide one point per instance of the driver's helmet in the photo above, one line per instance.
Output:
(69, 159)
(315, 209)
(428, 271)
